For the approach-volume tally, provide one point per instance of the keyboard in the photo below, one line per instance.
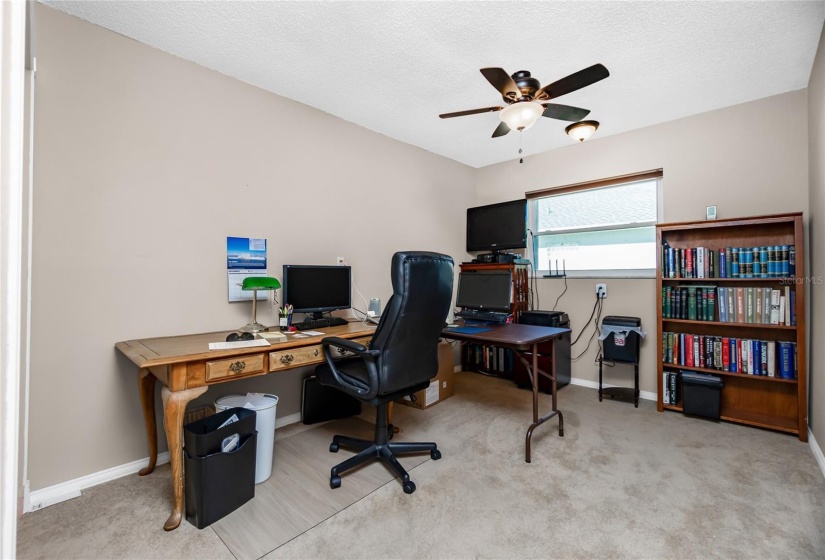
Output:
(478, 315)
(313, 324)
(238, 344)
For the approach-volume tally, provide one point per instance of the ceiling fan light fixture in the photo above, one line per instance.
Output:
(582, 130)
(522, 115)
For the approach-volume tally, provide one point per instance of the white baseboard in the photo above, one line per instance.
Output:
(287, 420)
(817, 451)
(50, 495)
(646, 395)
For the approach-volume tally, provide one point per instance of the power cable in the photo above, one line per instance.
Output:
(588, 321)
(561, 294)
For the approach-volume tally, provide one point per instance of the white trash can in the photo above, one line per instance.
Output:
(264, 423)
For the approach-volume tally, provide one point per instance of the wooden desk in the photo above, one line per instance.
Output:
(186, 367)
(522, 338)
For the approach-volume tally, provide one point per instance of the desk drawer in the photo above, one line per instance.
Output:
(296, 357)
(234, 367)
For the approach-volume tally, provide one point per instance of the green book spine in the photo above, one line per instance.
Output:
(691, 315)
(711, 304)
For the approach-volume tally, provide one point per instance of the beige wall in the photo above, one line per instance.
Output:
(749, 159)
(145, 163)
(816, 135)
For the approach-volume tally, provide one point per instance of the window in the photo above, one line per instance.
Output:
(600, 229)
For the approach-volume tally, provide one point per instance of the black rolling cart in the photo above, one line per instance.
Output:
(621, 347)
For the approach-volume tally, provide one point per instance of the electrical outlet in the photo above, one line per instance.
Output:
(601, 290)
(340, 261)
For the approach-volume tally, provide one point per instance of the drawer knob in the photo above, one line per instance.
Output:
(315, 352)
(237, 367)
(287, 359)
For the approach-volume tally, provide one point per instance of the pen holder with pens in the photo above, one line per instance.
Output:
(285, 318)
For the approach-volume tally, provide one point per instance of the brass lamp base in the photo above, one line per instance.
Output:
(254, 326)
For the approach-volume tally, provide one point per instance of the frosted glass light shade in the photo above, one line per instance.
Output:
(521, 115)
(582, 130)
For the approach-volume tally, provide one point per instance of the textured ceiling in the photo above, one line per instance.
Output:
(392, 67)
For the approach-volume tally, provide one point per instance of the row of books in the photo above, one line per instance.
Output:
(671, 387)
(735, 355)
(745, 305)
(490, 358)
(777, 261)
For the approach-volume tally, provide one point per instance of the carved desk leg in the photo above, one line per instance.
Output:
(174, 406)
(146, 382)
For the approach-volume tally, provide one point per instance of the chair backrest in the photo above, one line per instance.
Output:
(407, 336)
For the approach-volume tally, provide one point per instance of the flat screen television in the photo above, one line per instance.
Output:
(316, 289)
(497, 227)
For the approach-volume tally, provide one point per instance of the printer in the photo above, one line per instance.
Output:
(545, 318)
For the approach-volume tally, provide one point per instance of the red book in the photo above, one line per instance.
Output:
(689, 354)
(726, 354)
(701, 351)
(689, 263)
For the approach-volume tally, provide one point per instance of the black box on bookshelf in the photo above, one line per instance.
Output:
(701, 394)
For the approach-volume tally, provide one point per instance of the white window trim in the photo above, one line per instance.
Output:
(538, 272)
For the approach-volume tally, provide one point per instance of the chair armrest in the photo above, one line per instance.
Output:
(369, 357)
(343, 343)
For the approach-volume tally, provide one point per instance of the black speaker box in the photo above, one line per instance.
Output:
(321, 403)
(558, 319)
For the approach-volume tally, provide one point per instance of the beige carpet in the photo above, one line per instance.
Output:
(622, 483)
(297, 496)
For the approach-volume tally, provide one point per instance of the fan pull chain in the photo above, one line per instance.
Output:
(521, 159)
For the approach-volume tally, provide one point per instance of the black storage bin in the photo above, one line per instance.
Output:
(618, 349)
(701, 394)
(218, 483)
(321, 403)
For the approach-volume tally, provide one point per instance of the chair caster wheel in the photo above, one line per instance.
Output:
(333, 447)
(435, 454)
(409, 487)
(335, 482)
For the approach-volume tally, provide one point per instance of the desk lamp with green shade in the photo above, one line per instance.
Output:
(255, 283)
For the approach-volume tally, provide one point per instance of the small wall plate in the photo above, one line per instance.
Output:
(710, 213)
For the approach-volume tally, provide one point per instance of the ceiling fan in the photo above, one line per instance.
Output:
(525, 98)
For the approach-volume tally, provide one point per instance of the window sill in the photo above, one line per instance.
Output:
(597, 274)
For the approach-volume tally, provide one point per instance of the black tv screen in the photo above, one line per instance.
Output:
(497, 226)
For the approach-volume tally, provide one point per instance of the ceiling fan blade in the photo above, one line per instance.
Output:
(501, 130)
(470, 112)
(564, 112)
(574, 81)
(502, 81)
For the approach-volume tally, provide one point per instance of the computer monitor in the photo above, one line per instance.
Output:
(491, 291)
(317, 289)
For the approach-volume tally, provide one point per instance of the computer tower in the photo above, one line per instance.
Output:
(558, 319)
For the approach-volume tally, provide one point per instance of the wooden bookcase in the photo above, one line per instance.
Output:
(767, 402)
(491, 359)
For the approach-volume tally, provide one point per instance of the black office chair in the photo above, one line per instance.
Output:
(401, 359)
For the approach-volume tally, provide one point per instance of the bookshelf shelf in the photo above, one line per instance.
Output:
(751, 419)
(735, 325)
(785, 281)
(730, 373)
(763, 401)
